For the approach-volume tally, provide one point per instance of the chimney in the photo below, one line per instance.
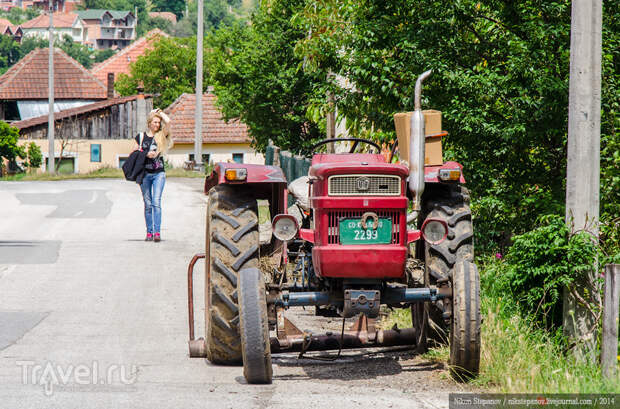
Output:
(110, 85)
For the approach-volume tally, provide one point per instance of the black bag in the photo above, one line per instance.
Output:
(129, 167)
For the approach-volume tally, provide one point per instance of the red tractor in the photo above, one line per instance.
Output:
(373, 233)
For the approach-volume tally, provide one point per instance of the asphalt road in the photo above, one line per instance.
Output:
(91, 316)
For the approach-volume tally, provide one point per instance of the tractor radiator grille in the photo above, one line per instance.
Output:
(334, 216)
(364, 185)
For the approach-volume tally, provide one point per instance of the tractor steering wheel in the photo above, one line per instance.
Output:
(355, 140)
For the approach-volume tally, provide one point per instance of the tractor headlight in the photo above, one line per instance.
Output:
(434, 231)
(284, 227)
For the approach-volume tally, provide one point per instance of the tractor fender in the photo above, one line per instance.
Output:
(257, 174)
(431, 173)
(263, 182)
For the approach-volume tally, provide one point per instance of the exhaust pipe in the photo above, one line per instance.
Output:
(416, 149)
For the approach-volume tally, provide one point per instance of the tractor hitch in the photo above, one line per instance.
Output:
(362, 334)
(196, 346)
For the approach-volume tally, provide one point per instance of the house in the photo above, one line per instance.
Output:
(64, 24)
(10, 29)
(166, 15)
(90, 136)
(24, 87)
(108, 28)
(120, 62)
(58, 5)
(221, 141)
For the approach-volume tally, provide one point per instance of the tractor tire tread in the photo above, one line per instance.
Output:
(232, 243)
(465, 331)
(254, 328)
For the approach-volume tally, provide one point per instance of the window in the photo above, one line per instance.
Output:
(205, 157)
(238, 157)
(121, 161)
(95, 152)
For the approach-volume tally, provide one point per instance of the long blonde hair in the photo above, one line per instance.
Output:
(162, 137)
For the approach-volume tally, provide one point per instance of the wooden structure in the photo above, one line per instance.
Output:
(115, 118)
(92, 136)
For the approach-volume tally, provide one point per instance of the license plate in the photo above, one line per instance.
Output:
(351, 232)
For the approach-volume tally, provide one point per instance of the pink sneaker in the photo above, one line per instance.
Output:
(149, 237)
(157, 238)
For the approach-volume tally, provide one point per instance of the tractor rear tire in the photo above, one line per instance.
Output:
(254, 327)
(450, 203)
(465, 325)
(232, 244)
(419, 320)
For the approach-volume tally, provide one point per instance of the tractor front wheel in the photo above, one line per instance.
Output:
(254, 327)
(465, 325)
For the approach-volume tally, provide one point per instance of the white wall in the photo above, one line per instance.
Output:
(179, 153)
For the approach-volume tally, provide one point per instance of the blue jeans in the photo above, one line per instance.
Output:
(152, 188)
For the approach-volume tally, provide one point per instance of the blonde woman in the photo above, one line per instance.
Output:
(155, 141)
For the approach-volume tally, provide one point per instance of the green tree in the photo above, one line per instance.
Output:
(217, 13)
(500, 78)
(162, 24)
(102, 55)
(9, 149)
(16, 15)
(259, 79)
(168, 69)
(34, 157)
(175, 6)
(10, 53)
(30, 43)
(77, 51)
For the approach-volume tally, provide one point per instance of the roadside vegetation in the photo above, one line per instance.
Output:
(523, 348)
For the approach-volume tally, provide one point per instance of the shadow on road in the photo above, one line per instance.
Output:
(356, 366)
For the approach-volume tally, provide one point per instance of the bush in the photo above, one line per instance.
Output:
(538, 266)
(34, 158)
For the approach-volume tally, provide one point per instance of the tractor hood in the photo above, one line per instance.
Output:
(326, 169)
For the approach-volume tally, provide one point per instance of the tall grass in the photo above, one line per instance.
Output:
(517, 355)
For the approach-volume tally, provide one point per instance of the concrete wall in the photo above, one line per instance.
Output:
(112, 151)
(220, 152)
(59, 33)
(79, 150)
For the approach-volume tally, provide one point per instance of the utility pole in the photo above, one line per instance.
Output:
(198, 111)
(50, 119)
(583, 161)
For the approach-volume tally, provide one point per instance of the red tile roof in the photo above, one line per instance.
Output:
(166, 15)
(28, 123)
(214, 129)
(28, 79)
(61, 20)
(119, 63)
(4, 24)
